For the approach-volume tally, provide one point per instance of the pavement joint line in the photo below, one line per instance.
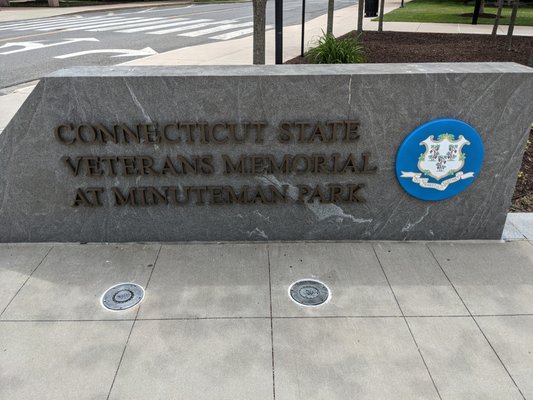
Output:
(407, 323)
(133, 324)
(339, 316)
(503, 315)
(198, 318)
(27, 279)
(271, 324)
(253, 318)
(477, 324)
(63, 320)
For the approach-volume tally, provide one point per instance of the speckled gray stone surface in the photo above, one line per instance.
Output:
(389, 101)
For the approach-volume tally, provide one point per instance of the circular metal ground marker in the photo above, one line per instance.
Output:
(122, 296)
(309, 292)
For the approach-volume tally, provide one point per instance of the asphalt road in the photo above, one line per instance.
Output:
(30, 49)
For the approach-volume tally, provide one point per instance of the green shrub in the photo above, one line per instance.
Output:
(330, 50)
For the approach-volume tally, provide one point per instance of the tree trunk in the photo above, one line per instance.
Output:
(53, 3)
(497, 20)
(482, 8)
(381, 12)
(331, 7)
(360, 16)
(259, 10)
(4, 3)
(511, 25)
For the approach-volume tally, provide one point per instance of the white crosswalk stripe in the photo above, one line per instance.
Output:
(134, 25)
(216, 29)
(151, 28)
(118, 24)
(126, 23)
(31, 22)
(188, 27)
(79, 24)
(235, 34)
(34, 25)
(55, 25)
(56, 22)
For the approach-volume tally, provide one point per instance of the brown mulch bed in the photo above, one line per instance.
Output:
(407, 47)
(523, 193)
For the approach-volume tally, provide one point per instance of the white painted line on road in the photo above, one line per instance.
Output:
(58, 22)
(27, 46)
(215, 29)
(149, 28)
(117, 24)
(174, 8)
(147, 51)
(84, 21)
(145, 11)
(189, 27)
(131, 25)
(69, 24)
(23, 24)
(31, 22)
(233, 35)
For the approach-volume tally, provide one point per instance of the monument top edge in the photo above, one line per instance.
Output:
(284, 70)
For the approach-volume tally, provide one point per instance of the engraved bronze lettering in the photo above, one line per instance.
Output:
(353, 196)
(59, 134)
(303, 190)
(216, 128)
(104, 135)
(89, 197)
(259, 131)
(73, 167)
(86, 134)
(351, 133)
(123, 200)
(367, 169)
(166, 135)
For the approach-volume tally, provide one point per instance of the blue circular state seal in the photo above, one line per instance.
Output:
(439, 159)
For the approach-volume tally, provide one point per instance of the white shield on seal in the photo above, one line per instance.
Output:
(443, 157)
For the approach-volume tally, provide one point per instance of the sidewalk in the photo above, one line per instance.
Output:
(405, 321)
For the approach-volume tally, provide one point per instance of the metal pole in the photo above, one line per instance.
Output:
(303, 27)
(279, 31)
(477, 8)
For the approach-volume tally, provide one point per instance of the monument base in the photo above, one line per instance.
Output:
(301, 152)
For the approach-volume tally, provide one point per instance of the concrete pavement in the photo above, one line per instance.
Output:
(405, 321)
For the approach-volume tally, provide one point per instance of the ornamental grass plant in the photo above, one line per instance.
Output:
(330, 50)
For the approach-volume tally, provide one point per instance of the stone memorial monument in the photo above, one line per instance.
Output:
(388, 152)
